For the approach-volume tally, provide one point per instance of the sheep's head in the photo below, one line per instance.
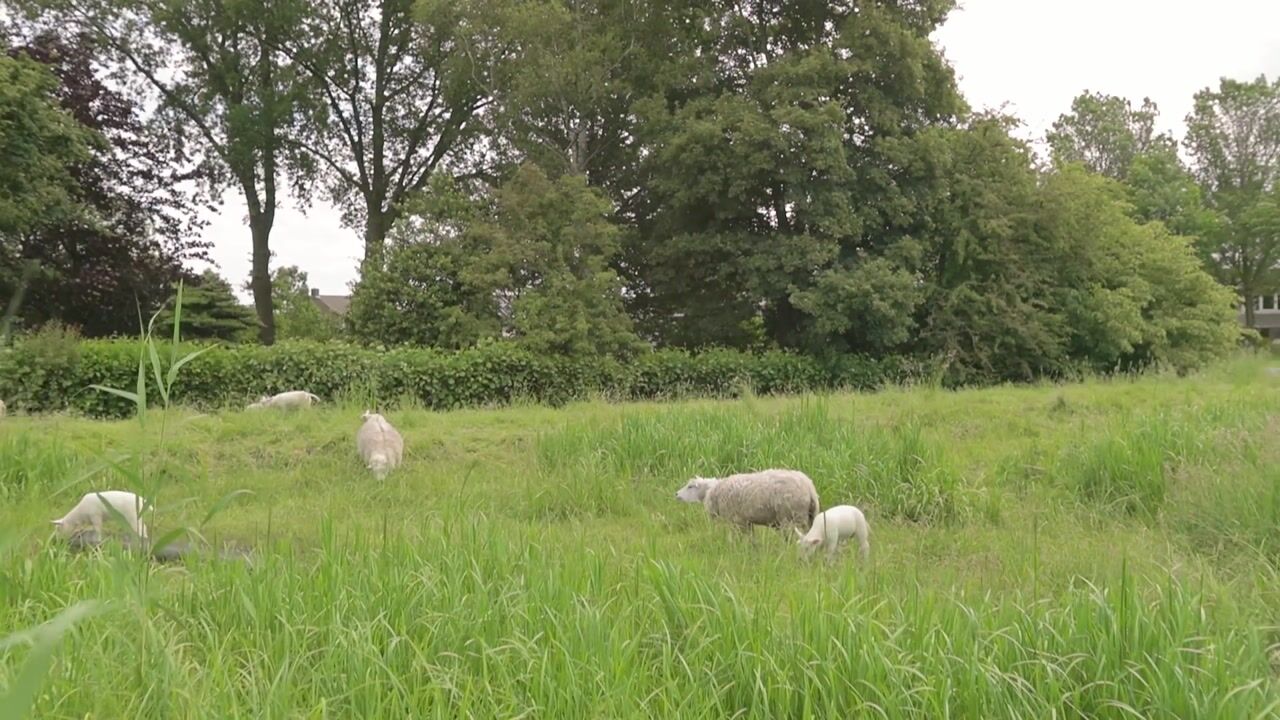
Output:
(61, 527)
(695, 491)
(807, 542)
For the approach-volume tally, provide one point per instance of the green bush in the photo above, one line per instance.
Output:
(43, 373)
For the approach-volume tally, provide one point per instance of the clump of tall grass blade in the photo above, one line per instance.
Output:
(899, 471)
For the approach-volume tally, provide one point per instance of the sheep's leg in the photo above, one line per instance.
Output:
(833, 548)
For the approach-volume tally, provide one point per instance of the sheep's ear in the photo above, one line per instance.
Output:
(56, 522)
(798, 533)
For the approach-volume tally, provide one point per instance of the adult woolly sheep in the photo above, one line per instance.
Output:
(380, 445)
(776, 498)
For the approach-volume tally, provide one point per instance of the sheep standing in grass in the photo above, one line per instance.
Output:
(380, 445)
(776, 498)
(92, 510)
(835, 525)
(286, 400)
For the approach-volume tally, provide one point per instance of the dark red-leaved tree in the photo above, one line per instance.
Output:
(143, 194)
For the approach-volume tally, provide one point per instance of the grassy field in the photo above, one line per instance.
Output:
(1100, 550)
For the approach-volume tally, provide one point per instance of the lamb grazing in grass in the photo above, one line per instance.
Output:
(776, 498)
(92, 511)
(834, 525)
(286, 400)
(380, 445)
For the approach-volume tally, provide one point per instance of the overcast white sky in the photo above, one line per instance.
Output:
(1032, 56)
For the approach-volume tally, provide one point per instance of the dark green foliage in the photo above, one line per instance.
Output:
(39, 142)
(416, 296)
(45, 373)
(770, 165)
(139, 186)
(547, 249)
(532, 266)
(211, 312)
(45, 364)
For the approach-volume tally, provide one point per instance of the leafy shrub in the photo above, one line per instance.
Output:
(43, 364)
(45, 374)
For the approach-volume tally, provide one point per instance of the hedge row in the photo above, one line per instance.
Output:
(42, 376)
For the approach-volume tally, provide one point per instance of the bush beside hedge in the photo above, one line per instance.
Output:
(39, 375)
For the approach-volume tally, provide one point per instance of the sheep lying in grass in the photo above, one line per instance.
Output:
(776, 498)
(92, 510)
(380, 445)
(835, 525)
(286, 400)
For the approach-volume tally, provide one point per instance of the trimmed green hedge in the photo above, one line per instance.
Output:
(43, 376)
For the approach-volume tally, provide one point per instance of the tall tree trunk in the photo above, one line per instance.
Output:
(260, 226)
(1248, 309)
(376, 225)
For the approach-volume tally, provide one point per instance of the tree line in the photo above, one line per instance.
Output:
(601, 176)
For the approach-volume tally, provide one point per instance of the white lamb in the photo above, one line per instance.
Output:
(380, 445)
(1, 408)
(776, 498)
(92, 511)
(835, 525)
(286, 400)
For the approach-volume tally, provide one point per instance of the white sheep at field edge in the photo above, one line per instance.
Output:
(776, 498)
(380, 445)
(834, 525)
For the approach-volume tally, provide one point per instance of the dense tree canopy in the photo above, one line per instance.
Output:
(598, 176)
(41, 143)
(394, 90)
(96, 271)
(212, 69)
(1106, 134)
(1233, 135)
(532, 266)
(771, 165)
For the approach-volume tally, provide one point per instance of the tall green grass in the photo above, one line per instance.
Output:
(1104, 550)
(897, 470)
(460, 623)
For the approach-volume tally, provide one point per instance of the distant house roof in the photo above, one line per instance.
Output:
(336, 304)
